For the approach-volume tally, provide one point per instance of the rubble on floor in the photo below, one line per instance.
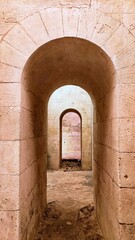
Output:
(55, 225)
(71, 165)
(70, 212)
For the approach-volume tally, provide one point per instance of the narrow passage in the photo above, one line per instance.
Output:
(70, 213)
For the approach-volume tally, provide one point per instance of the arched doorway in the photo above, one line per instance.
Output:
(69, 97)
(90, 68)
(71, 136)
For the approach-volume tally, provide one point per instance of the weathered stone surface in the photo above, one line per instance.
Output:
(127, 206)
(124, 58)
(86, 16)
(10, 94)
(129, 21)
(70, 21)
(104, 29)
(9, 192)
(109, 24)
(9, 152)
(112, 46)
(9, 123)
(36, 20)
(10, 56)
(127, 169)
(9, 225)
(111, 6)
(126, 135)
(23, 42)
(53, 22)
(9, 74)
(126, 104)
(126, 75)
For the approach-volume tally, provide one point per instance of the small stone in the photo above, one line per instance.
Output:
(69, 223)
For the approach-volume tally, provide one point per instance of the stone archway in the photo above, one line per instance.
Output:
(66, 57)
(69, 97)
(114, 126)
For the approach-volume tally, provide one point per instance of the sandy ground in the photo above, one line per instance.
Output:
(70, 213)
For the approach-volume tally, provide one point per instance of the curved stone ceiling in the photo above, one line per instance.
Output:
(66, 61)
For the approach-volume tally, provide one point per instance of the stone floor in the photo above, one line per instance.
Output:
(70, 213)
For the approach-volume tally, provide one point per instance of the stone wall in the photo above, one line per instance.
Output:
(108, 36)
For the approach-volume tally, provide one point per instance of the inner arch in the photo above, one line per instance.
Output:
(71, 132)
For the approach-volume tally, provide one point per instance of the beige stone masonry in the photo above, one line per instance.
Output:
(24, 27)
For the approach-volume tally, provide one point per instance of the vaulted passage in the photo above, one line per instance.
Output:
(46, 46)
(69, 98)
(69, 61)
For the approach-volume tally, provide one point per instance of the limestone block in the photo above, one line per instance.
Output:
(52, 18)
(127, 206)
(23, 42)
(108, 158)
(126, 104)
(27, 124)
(125, 57)
(9, 152)
(34, 23)
(128, 6)
(41, 146)
(115, 43)
(27, 153)
(9, 123)
(5, 25)
(126, 135)
(87, 21)
(32, 176)
(103, 212)
(9, 225)
(31, 150)
(111, 191)
(9, 192)
(127, 231)
(126, 75)
(28, 100)
(129, 21)
(111, 6)
(107, 133)
(23, 187)
(30, 219)
(70, 21)
(104, 29)
(25, 215)
(10, 56)
(107, 106)
(9, 73)
(127, 169)
(10, 94)
(42, 167)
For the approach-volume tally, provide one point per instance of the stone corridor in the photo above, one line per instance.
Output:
(45, 46)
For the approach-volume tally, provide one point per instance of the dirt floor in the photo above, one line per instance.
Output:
(70, 213)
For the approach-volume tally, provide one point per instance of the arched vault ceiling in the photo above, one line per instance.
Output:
(69, 61)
